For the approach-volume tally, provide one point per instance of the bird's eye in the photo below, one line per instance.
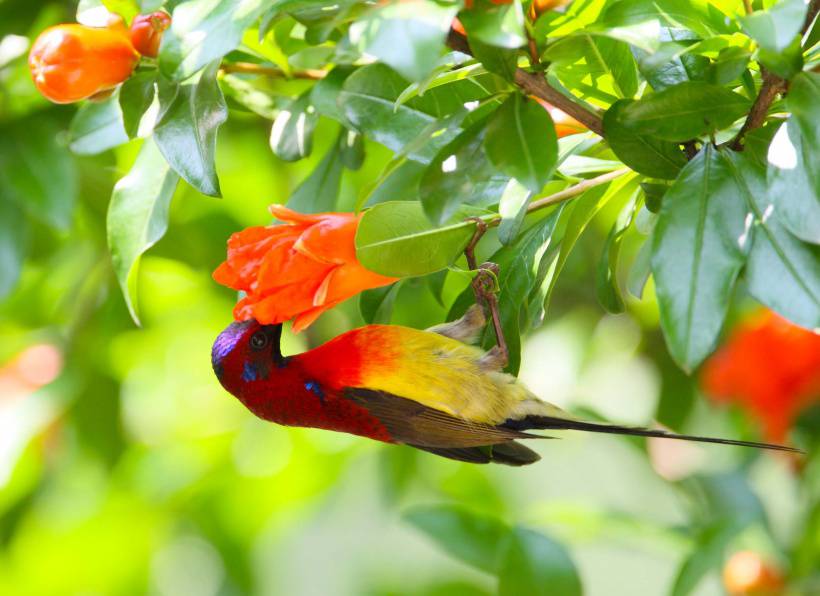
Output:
(259, 340)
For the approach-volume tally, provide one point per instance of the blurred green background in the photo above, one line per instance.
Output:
(125, 468)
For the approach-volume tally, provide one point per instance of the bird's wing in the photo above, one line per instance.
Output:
(413, 423)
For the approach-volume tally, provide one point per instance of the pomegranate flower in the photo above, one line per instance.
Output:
(770, 367)
(296, 270)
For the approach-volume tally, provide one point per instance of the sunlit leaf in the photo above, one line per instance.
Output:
(190, 115)
(97, 127)
(138, 216)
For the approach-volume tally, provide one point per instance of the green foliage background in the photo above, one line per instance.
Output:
(135, 472)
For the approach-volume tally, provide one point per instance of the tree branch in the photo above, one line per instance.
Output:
(772, 86)
(535, 84)
(578, 189)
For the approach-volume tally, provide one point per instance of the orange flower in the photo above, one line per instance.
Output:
(299, 269)
(71, 62)
(565, 124)
(770, 367)
(146, 32)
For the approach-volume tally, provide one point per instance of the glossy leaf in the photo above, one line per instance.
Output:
(700, 244)
(376, 305)
(607, 288)
(775, 29)
(790, 183)
(138, 216)
(684, 111)
(291, 136)
(782, 272)
(407, 36)
(367, 101)
(512, 206)
(804, 102)
(97, 127)
(136, 95)
(477, 540)
(203, 31)
(500, 25)
(644, 154)
(397, 239)
(319, 192)
(537, 565)
(190, 115)
(459, 174)
(521, 142)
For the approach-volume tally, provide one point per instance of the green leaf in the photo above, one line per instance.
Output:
(138, 216)
(319, 192)
(700, 244)
(786, 63)
(460, 174)
(672, 63)
(399, 184)
(367, 101)
(136, 96)
(190, 114)
(477, 540)
(607, 289)
(512, 207)
(324, 95)
(97, 127)
(408, 36)
(729, 65)
(775, 29)
(578, 215)
(37, 172)
(644, 154)
(803, 101)
(684, 111)
(519, 265)
(536, 565)
(782, 271)
(789, 183)
(500, 25)
(521, 142)
(397, 239)
(500, 61)
(13, 242)
(351, 145)
(291, 137)
(203, 31)
(376, 305)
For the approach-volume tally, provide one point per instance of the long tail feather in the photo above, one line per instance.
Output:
(551, 423)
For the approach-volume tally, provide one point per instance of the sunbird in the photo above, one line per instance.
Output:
(430, 390)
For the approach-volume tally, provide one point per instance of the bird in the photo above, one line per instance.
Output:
(429, 389)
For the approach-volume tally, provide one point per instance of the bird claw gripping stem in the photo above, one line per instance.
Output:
(485, 286)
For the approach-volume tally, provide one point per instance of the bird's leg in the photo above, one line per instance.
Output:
(485, 287)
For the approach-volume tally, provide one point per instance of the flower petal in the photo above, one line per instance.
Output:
(331, 240)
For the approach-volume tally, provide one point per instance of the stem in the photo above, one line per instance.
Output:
(574, 191)
(772, 86)
(271, 71)
(536, 84)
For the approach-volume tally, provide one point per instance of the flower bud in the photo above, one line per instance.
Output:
(146, 32)
(71, 62)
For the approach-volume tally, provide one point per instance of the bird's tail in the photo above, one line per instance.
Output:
(536, 422)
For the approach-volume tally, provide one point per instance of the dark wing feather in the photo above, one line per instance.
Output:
(511, 453)
(415, 424)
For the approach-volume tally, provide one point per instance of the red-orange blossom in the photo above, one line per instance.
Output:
(297, 270)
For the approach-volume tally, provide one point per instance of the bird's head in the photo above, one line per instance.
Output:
(245, 352)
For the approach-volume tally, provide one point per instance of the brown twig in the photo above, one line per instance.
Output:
(535, 84)
(772, 86)
(271, 71)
